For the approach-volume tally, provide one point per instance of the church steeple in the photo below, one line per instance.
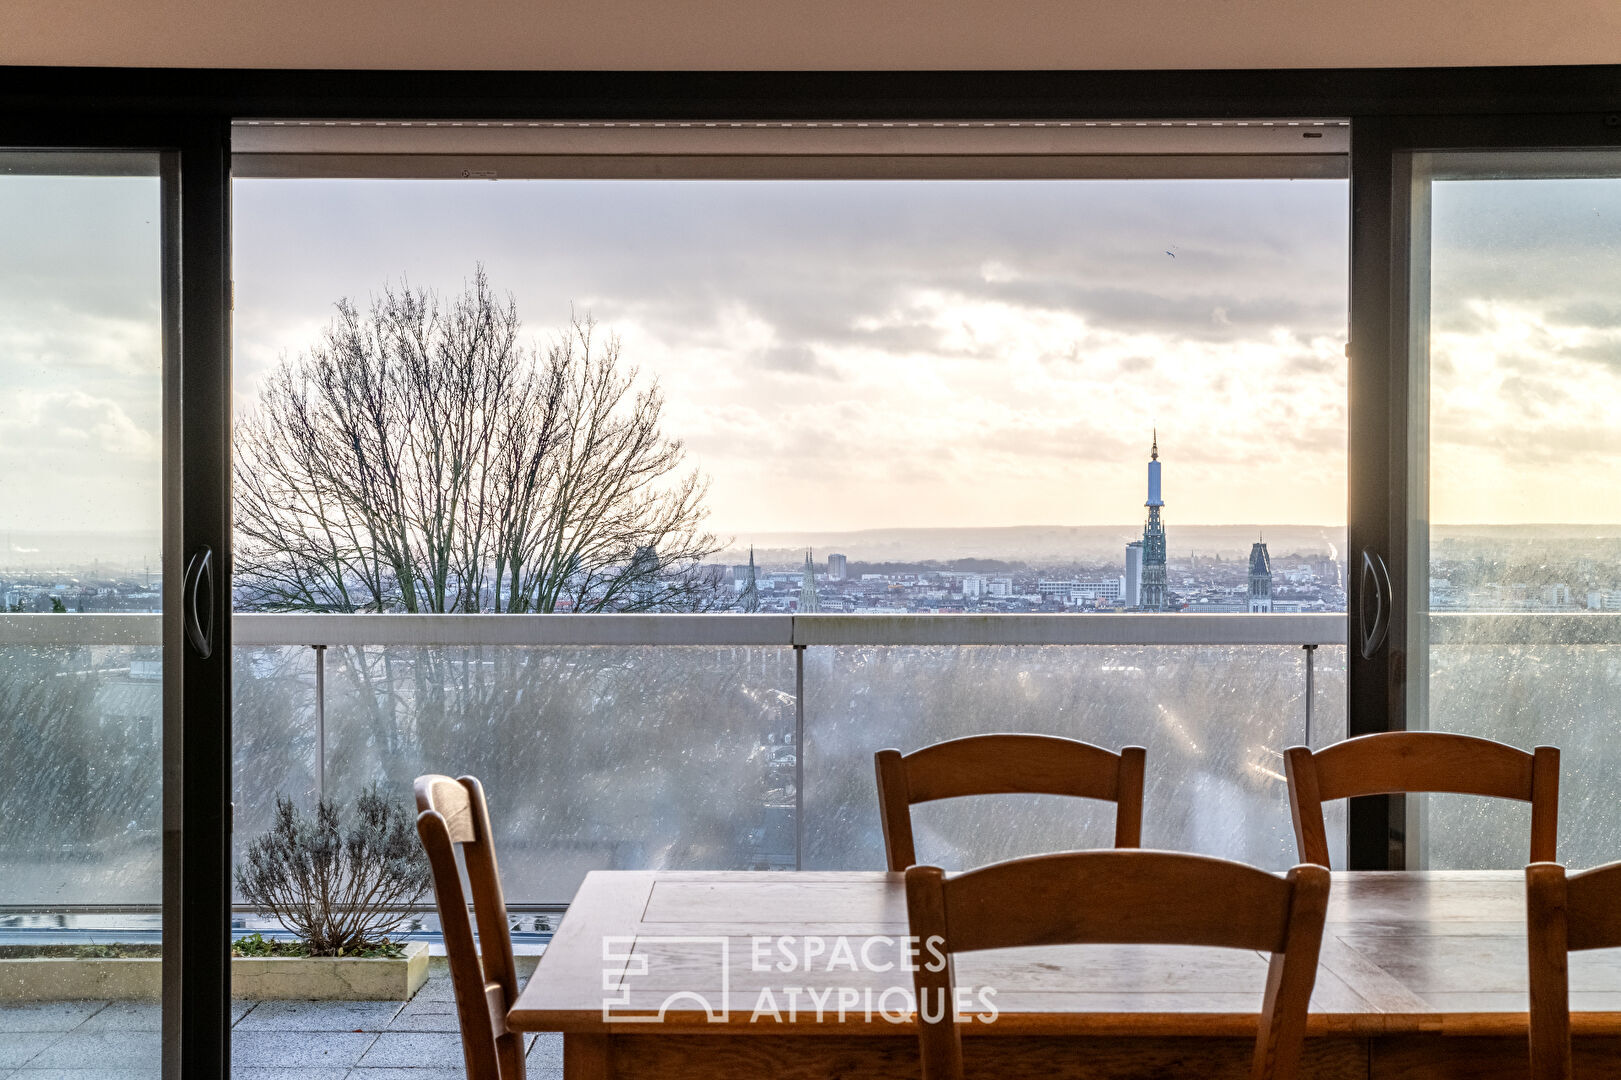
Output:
(750, 600)
(1153, 593)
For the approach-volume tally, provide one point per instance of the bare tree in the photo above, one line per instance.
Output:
(421, 459)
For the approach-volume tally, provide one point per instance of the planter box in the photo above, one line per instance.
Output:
(253, 978)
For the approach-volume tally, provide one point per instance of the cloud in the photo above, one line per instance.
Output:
(873, 354)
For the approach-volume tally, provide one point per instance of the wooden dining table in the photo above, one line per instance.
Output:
(802, 976)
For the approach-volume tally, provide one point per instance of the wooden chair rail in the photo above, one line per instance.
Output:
(1002, 764)
(1121, 897)
(1421, 761)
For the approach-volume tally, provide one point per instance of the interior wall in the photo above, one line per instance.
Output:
(808, 34)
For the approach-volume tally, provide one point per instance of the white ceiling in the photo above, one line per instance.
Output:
(808, 34)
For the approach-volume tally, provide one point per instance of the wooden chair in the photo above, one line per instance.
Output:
(453, 813)
(1402, 761)
(1120, 897)
(1001, 765)
(1581, 911)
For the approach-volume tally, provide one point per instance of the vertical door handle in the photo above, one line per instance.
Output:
(198, 609)
(1374, 584)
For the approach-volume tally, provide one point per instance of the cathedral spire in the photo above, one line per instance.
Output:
(807, 590)
(750, 601)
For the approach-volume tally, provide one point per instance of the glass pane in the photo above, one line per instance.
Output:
(81, 663)
(594, 758)
(1521, 611)
(1215, 722)
(941, 395)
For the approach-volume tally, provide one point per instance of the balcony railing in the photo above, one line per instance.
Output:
(734, 741)
(729, 741)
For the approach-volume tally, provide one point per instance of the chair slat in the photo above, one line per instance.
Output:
(1123, 896)
(1001, 764)
(1420, 761)
(1132, 897)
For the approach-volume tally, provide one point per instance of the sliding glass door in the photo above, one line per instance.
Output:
(84, 583)
(1515, 595)
(1486, 598)
(112, 573)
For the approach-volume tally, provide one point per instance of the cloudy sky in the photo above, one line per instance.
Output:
(80, 390)
(878, 354)
(844, 355)
(1525, 359)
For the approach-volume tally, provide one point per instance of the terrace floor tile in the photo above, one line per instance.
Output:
(415, 1050)
(297, 1050)
(442, 1018)
(153, 1073)
(546, 1053)
(125, 1016)
(47, 1015)
(19, 1047)
(86, 1074)
(320, 1016)
(126, 1051)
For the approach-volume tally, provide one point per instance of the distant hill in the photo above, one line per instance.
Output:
(1037, 545)
(111, 551)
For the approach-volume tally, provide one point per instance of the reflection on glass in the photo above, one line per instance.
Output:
(1215, 722)
(80, 516)
(1524, 595)
(947, 390)
(592, 758)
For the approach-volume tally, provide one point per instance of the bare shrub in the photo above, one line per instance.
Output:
(340, 887)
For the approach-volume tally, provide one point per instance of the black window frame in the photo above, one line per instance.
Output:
(186, 113)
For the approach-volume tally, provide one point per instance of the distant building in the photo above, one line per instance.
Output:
(644, 573)
(973, 586)
(808, 603)
(838, 568)
(749, 601)
(1133, 593)
(1260, 578)
(1153, 586)
(999, 586)
(1077, 592)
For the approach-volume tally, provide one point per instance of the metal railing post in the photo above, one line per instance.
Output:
(799, 757)
(1311, 686)
(320, 721)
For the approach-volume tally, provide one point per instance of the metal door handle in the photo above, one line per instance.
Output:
(1375, 580)
(197, 612)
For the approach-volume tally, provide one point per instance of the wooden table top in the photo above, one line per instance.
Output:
(1403, 952)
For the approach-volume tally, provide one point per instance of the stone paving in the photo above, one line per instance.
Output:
(270, 1040)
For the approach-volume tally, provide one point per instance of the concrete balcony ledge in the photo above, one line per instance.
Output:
(702, 631)
(253, 978)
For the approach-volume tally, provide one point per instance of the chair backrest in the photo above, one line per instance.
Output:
(1120, 897)
(1438, 761)
(1581, 911)
(1004, 765)
(451, 814)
